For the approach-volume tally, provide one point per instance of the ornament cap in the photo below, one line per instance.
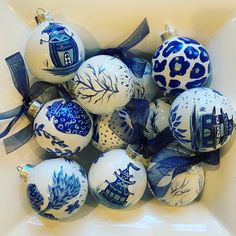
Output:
(42, 16)
(132, 152)
(34, 108)
(24, 171)
(169, 33)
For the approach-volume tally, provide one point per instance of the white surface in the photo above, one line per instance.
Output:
(109, 22)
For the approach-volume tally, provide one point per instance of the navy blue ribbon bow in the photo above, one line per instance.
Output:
(20, 79)
(136, 65)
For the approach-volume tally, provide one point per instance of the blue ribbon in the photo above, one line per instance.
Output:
(136, 65)
(128, 122)
(20, 79)
(174, 165)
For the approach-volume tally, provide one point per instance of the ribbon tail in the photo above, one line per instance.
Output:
(212, 158)
(19, 73)
(13, 121)
(38, 88)
(17, 140)
(137, 36)
(10, 114)
(64, 93)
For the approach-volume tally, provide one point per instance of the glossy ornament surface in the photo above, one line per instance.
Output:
(172, 186)
(116, 180)
(144, 86)
(57, 188)
(158, 117)
(179, 64)
(63, 128)
(54, 52)
(104, 138)
(201, 119)
(102, 84)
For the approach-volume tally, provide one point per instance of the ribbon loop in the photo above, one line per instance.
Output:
(136, 65)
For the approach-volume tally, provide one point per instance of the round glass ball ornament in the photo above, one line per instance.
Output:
(102, 84)
(172, 186)
(180, 63)
(62, 128)
(201, 119)
(158, 117)
(56, 188)
(116, 180)
(53, 51)
(104, 138)
(144, 86)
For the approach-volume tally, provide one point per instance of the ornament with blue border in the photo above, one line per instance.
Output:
(63, 128)
(56, 188)
(180, 63)
(117, 178)
(53, 51)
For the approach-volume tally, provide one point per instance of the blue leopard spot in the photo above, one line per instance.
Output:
(161, 79)
(191, 52)
(176, 92)
(196, 83)
(157, 53)
(178, 66)
(204, 56)
(159, 66)
(188, 40)
(163, 89)
(172, 47)
(174, 83)
(197, 71)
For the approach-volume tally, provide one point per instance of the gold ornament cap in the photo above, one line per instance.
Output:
(34, 108)
(42, 16)
(169, 33)
(133, 153)
(24, 171)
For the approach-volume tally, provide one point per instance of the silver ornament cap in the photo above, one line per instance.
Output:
(42, 16)
(34, 108)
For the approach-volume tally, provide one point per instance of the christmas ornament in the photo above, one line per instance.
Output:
(171, 180)
(158, 117)
(116, 180)
(53, 52)
(104, 138)
(201, 119)
(144, 86)
(56, 188)
(102, 84)
(62, 128)
(180, 63)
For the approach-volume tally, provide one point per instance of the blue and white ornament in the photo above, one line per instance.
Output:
(104, 138)
(116, 180)
(158, 117)
(63, 128)
(53, 51)
(172, 185)
(56, 188)
(179, 64)
(145, 87)
(201, 119)
(102, 84)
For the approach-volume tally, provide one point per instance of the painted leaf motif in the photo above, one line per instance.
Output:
(35, 197)
(62, 189)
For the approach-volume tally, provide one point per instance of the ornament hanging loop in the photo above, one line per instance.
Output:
(24, 171)
(42, 16)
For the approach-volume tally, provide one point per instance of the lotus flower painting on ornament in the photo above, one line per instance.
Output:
(117, 118)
